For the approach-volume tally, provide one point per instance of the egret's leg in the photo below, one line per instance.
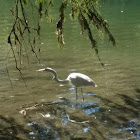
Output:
(82, 94)
(76, 93)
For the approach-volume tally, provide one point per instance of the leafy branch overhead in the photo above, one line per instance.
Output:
(82, 10)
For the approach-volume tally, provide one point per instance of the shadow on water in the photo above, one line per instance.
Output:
(94, 119)
(9, 129)
(122, 121)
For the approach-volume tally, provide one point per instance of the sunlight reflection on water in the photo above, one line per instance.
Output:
(86, 129)
(64, 119)
(31, 123)
(132, 127)
(91, 110)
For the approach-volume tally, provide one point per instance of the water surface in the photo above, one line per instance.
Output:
(110, 111)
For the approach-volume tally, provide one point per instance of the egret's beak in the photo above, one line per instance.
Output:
(40, 70)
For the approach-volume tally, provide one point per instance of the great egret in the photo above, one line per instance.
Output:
(75, 79)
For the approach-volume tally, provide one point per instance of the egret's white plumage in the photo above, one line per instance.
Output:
(76, 79)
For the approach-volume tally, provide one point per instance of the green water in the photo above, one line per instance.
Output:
(112, 108)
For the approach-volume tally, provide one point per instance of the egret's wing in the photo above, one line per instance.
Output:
(79, 79)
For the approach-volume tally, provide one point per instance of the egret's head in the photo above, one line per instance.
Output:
(46, 69)
(49, 69)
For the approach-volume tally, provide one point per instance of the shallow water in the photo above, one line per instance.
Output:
(110, 111)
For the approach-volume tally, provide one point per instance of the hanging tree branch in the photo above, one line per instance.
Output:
(84, 11)
(59, 24)
(20, 28)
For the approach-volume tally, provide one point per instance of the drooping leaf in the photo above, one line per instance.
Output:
(25, 2)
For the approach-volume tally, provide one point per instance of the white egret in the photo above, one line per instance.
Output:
(75, 79)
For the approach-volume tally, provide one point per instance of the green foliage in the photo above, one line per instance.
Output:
(59, 24)
(85, 11)
(25, 2)
(43, 8)
(40, 1)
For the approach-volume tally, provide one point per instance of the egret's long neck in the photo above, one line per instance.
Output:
(57, 79)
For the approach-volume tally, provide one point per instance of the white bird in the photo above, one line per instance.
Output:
(75, 79)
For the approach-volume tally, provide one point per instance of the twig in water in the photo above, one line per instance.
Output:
(73, 121)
